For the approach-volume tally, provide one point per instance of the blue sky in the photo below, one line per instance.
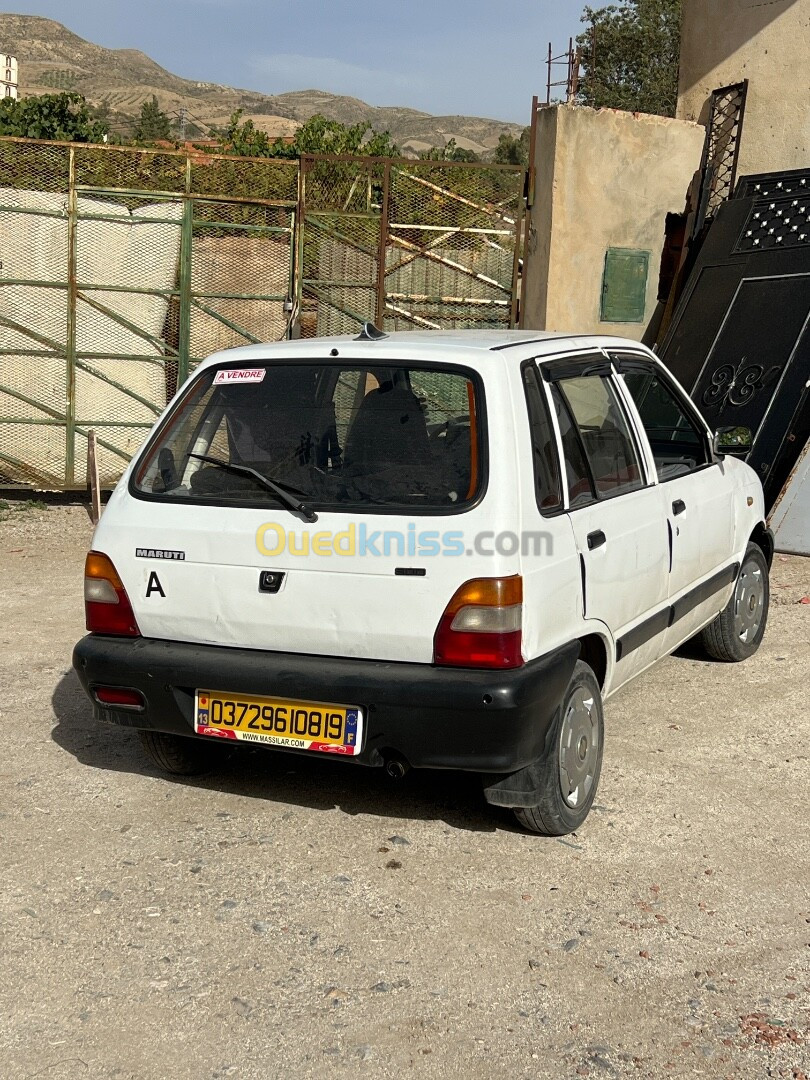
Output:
(443, 56)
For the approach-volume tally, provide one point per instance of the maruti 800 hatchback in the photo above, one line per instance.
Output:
(439, 550)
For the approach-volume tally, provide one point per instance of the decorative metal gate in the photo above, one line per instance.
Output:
(120, 269)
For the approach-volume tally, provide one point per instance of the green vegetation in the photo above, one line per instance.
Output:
(449, 152)
(634, 64)
(513, 151)
(20, 507)
(317, 136)
(153, 124)
(64, 117)
(59, 79)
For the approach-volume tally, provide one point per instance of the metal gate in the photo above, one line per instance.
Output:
(120, 269)
(740, 338)
(408, 244)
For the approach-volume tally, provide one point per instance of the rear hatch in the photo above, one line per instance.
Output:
(316, 506)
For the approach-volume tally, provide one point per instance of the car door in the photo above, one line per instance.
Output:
(696, 496)
(614, 509)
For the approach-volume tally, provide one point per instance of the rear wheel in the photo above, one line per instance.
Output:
(569, 774)
(736, 633)
(181, 755)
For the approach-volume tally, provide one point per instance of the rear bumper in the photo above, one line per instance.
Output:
(440, 718)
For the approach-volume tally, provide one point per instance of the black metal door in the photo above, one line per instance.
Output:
(740, 340)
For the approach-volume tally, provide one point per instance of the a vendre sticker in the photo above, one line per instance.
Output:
(239, 375)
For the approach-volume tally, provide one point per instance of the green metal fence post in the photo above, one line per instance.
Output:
(70, 328)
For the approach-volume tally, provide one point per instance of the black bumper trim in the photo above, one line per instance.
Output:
(434, 717)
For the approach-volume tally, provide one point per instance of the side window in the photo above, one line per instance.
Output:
(544, 446)
(605, 434)
(678, 446)
(577, 474)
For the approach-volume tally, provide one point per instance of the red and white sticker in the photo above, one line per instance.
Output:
(240, 375)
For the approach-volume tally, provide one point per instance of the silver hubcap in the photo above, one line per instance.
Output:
(749, 601)
(579, 747)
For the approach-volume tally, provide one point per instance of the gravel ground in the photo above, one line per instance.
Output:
(297, 918)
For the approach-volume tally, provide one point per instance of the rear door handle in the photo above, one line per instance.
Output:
(596, 540)
(678, 507)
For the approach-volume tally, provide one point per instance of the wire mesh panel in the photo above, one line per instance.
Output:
(451, 245)
(117, 277)
(126, 256)
(121, 268)
(34, 235)
(340, 244)
(241, 275)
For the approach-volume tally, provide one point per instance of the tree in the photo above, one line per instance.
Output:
(449, 152)
(65, 117)
(153, 124)
(317, 136)
(631, 55)
(511, 150)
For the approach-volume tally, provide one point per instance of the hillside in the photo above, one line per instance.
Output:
(52, 58)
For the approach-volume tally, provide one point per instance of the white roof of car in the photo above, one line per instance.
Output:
(408, 343)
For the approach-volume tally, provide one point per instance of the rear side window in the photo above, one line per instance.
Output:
(611, 459)
(577, 473)
(544, 447)
(678, 446)
(334, 435)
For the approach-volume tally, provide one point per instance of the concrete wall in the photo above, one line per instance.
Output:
(768, 43)
(604, 179)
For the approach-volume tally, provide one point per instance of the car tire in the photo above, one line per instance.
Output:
(569, 772)
(736, 633)
(181, 755)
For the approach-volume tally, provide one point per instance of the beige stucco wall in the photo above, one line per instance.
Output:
(768, 43)
(604, 179)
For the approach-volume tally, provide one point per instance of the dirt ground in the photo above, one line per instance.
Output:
(297, 918)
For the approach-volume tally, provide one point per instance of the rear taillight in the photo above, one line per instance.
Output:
(481, 626)
(106, 604)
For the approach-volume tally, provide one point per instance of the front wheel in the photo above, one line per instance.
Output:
(736, 633)
(569, 773)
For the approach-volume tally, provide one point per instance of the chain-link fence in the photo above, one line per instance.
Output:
(120, 269)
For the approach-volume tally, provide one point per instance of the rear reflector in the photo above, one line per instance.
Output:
(120, 696)
(481, 626)
(106, 604)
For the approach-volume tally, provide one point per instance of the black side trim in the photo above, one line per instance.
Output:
(641, 634)
(583, 575)
(704, 592)
(536, 341)
(668, 616)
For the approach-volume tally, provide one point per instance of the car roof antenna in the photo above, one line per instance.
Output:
(370, 333)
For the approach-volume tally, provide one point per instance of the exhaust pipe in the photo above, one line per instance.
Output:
(397, 767)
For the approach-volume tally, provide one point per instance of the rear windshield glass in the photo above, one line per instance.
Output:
(335, 435)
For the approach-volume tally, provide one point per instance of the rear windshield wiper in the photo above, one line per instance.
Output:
(283, 494)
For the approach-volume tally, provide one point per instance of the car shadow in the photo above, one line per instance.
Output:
(314, 782)
(693, 650)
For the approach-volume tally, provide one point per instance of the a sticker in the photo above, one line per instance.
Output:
(239, 375)
(154, 586)
(159, 553)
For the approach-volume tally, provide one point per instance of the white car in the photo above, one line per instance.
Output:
(440, 550)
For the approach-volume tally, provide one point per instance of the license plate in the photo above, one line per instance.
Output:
(304, 725)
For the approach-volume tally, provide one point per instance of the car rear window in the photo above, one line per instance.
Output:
(337, 435)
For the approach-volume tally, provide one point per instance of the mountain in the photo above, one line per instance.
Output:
(52, 58)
